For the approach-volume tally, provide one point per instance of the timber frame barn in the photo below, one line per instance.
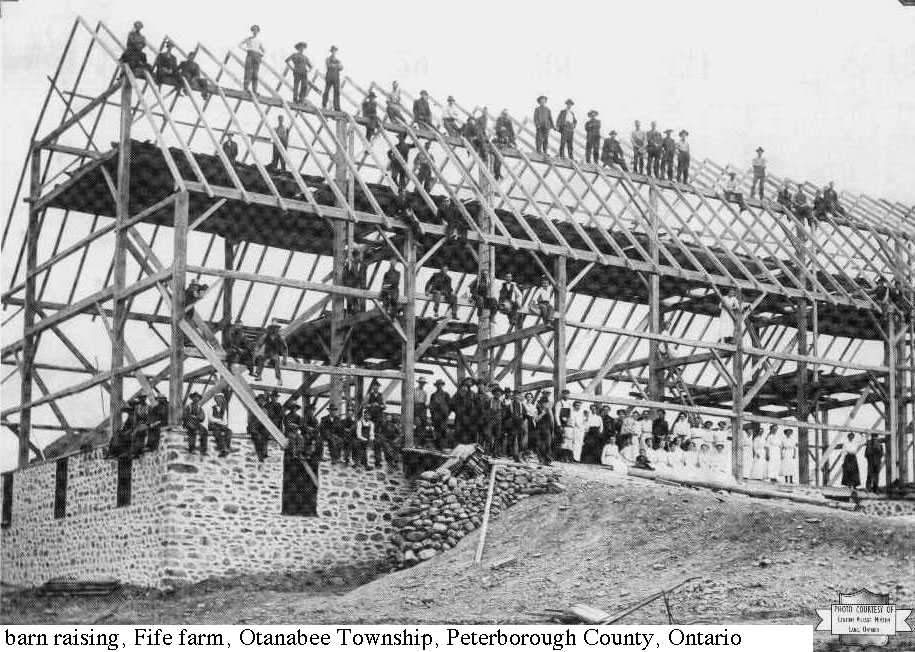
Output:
(126, 197)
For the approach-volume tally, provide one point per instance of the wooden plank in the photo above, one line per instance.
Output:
(514, 336)
(484, 527)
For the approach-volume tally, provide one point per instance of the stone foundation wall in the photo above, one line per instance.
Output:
(95, 538)
(224, 516)
(191, 518)
(444, 509)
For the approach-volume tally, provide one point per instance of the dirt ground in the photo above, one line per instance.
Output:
(607, 541)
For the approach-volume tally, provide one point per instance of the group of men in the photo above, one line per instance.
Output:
(824, 203)
(141, 427)
(503, 422)
(166, 69)
(346, 438)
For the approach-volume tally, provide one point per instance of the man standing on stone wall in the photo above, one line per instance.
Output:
(331, 429)
(256, 430)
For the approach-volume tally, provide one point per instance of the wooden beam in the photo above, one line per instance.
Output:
(88, 384)
(30, 342)
(559, 325)
(179, 281)
(409, 344)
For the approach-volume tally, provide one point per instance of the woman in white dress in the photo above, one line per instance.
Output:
(579, 425)
(758, 456)
(681, 427)
(789, 457)
(773, 454)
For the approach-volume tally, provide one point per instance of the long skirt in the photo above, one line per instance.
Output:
(851, 476)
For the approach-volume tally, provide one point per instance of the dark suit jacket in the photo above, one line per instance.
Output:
(543, 117)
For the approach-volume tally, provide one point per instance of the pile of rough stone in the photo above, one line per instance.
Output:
(445, 508)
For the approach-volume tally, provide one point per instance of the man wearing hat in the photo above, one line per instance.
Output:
(332, 78)
(142, 417)
(272, 345)
(189, 69)
(274, 410)
(300, 68)
(440, 288)
(422, 112)
(158, 418)
(390, 289)
(254, 52)
(543, 123)
(565, 125)
(219, 425)
(463, 405)
(505, 130)
(420, 404)
(134, 54)
(120, 443)
(230, 147)
(668, 152)
(364, 434)
(543, 300)
(192, 420)
(165, 70)
(565, 424)
(759, 173)
(370, 113)
(347, 435)
(398, 167)
(439, 409)
(653, 147)
(374, 403)
(514, 418)
(278, 163)
(450, 117)
(639, 144)
(331, 430)
(612, 152)
(256, 430)
(683, 158)
(592, 137)
(237, 346)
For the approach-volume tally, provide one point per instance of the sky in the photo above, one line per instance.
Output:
(826, 86)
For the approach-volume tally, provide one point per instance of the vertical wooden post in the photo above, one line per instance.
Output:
(896, 457)
(29, 341)
(228, 283)
(737, 434)
(803, 405)
(119, 276)
(819, 456)
(338, 310)
(337, 302)
(179, 274)
(409, 346)
(487, 264)
(559, 325)
(655, 375)
(802, 412)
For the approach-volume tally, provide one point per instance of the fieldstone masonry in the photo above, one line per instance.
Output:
(95, 538)
(223, 516)
(444, 509)
(192, 518)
